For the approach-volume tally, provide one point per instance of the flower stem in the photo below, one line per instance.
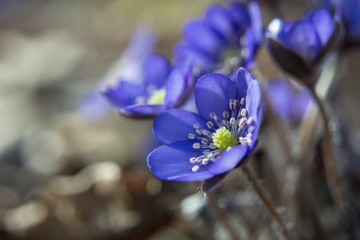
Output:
(266, 201)
(221, 216)
(332, 171)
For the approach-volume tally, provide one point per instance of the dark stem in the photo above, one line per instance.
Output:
(307, 207)
(332, 171)
(221, 215)
(266, 201)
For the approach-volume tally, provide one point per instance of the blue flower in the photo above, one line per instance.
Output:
(159, 87)
(93, 107)
(289, 103)
(130, 63)
(214, 141)
(224, 38)
(298, 46)
(92, 104)
(350, 15)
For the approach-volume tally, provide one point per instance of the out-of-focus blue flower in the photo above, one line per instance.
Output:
(158, 88)
(306, 37)
(225, 38)
(289, 103)
(213, 142)
(300, 47)
(130, 63)
(349, 12)
(350, 15)
(92, 105)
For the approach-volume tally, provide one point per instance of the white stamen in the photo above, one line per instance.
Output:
(213, 146)
(242, 140)
(226, 115)
(232, 121)
(196, 146)
(140, 99)
(210, 125)
(244, 52)
(243, 112)
(250, 121)
(205, 161)
(193, 160)
(249, 136)
(206, 133)
(198, 132)
(191, 136)
(196, 126)
(242, 123)
(234, 61)
(232, 104)
(195, 168)
(204, 141)
(206, 152)
(242, 101)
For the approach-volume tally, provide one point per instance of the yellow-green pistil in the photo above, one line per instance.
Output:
(223, 138)
(157, 97)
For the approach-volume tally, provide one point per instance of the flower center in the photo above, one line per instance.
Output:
(234, 57)
(230, 53)
(233, 128)
(223, 138)
(157, 97)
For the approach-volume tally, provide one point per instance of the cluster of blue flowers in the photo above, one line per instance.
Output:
(209, 65)
(223, 39)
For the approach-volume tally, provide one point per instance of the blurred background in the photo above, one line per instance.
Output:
(69, 167)
(72, 169)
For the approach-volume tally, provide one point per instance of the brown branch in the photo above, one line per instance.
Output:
(266, 201)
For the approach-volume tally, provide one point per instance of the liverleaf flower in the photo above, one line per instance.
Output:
(92, 104)
(291, 104)
(299, 46)
(350, 16)
(349, 13)
(224, 39)
(158, 87)
(211, 143)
